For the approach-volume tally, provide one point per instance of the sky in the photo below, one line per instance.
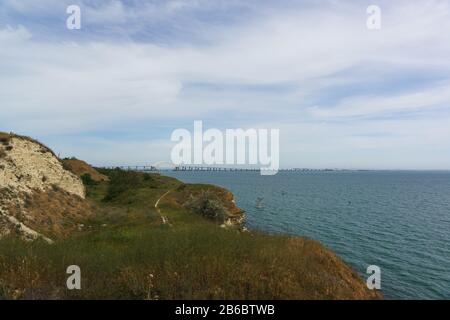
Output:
(343, 96)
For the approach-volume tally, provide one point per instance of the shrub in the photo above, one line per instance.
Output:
(4, 138)
(66, 166)
(121, 181)
(87, 180)
(207, 205)
(147, 177)
(181, 187)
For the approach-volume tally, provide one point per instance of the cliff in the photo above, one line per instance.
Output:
(37, 195)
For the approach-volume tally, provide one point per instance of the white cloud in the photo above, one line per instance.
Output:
(11, 36)
(55, 87)
(386, 105)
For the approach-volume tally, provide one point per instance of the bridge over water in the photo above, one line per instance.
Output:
(157, 168)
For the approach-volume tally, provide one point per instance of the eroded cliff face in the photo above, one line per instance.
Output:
(27, 165)
(29, 173)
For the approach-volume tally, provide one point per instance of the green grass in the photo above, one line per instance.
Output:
(126, 253)
(185, 263)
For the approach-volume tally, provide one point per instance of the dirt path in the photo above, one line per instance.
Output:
(163, 218)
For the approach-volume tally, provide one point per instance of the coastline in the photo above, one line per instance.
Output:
(138, 235)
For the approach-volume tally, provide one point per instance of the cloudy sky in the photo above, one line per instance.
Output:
(341, 95)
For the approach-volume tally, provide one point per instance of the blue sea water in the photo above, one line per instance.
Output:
(397, 220)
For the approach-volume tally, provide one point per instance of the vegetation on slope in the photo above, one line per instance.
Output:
(125, 251)
(83, 170)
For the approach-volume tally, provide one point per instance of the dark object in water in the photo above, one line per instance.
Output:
(259, 203)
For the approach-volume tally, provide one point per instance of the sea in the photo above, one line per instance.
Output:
(396, 220)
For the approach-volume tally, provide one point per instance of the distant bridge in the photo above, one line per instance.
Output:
(134, 168)
(160, 166)
(198, 168)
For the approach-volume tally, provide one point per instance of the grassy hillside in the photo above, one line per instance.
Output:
(127, 251)
(83, 170)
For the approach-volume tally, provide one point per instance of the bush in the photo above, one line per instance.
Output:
(87, 180)
(4, 139)
(121, 181)
(207, 205)
(147, 177)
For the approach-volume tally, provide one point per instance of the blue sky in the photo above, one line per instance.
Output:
(341, 95)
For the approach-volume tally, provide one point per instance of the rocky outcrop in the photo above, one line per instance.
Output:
(198, 197)
(236, 216)
(28, 172)
(27, 165)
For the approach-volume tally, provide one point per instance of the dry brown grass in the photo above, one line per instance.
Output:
(54, 213)
(23, 281)
(80, 168)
